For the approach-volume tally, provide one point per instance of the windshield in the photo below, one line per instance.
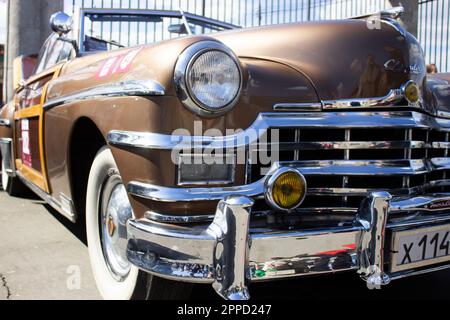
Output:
(109, 30)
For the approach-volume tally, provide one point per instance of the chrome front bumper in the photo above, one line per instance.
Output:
(229, 255)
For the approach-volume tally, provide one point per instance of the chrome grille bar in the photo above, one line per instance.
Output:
(345, 159)
(353, 145)
(368, 167)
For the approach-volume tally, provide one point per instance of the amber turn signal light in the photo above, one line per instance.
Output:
(412, 92)
(286, 189)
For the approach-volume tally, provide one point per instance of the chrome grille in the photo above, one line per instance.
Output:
(342, 165)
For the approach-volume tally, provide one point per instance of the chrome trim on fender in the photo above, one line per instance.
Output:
(264, 121)
(5, 123)
(115, 89)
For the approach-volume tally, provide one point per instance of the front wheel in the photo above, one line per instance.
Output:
(107, 211)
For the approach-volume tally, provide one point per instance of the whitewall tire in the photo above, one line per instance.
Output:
(107, 211)
(112, 285)
(5, 177)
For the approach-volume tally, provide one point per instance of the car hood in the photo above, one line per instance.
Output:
(344, 59)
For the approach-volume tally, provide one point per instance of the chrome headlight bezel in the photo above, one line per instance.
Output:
(183, 87)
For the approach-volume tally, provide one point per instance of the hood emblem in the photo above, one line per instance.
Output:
(415, 68)
(394, 65)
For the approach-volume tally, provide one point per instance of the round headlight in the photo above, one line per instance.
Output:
(208, 78)
(214, 80)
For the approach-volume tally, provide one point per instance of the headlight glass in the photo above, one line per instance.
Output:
(214, 80)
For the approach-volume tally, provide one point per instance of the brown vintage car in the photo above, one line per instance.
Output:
(228, 155)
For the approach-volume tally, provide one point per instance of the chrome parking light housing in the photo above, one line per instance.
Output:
(272, 181)
(411, 92)
(186, 63)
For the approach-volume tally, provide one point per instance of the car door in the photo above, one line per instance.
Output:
(29, 116)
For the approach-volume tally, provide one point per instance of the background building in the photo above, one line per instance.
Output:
(427, 19)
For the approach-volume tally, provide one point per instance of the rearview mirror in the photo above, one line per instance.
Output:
(61, 23)
(177, 29)
(23, 67)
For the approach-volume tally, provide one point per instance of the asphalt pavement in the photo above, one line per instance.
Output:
(44, 256)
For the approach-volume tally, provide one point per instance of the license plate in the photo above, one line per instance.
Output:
(420, 247)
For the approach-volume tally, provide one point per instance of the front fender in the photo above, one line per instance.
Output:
(7, 120)
(438, 93)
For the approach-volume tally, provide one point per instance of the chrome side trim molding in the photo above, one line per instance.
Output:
(54, 203)
(115, 89)
(264, 121)
(5, 123)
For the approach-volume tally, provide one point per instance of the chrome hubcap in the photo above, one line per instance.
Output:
(115, 212)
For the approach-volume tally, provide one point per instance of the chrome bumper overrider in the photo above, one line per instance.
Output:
(229, 254)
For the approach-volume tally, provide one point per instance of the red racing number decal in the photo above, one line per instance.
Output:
(119, 64)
